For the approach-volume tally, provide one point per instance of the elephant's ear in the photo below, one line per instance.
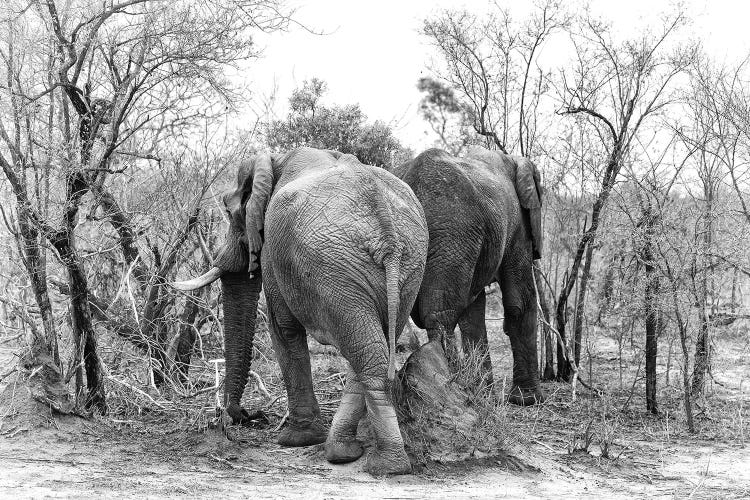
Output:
(259, 178)
(529, 191)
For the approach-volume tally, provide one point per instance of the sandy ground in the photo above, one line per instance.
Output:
(126, 457)
(52, 463)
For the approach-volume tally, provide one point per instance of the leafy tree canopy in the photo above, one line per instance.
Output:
(342, 128)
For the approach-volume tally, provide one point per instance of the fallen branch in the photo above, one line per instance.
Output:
(139, 391)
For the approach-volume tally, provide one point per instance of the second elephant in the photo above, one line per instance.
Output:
(483, 214)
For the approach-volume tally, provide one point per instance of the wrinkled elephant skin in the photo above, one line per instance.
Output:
(484, 219)
(340, 248)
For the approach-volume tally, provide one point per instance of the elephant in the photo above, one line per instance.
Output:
(484, 219)
(340, 249)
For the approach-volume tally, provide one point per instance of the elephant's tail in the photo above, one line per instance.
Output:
(392, 263)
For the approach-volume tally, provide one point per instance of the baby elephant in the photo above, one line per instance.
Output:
(343, 253)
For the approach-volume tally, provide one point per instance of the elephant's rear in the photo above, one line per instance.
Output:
(336, 233)
(466, 243)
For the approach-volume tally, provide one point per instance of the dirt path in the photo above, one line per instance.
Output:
(59, 463)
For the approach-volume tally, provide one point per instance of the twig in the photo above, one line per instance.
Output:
(110, 377)
(11, 338)
(545, 445)
(331, 377)
(632, 387)
(567, 350)
(282, 422)
(12, 370)
(235, 466)
(261, 385)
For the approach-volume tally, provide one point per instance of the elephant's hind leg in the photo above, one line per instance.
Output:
(474, 339)
(342, 445)
(303, 427)
(389, 455)
(366, 350)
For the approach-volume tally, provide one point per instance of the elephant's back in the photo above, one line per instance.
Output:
(440, 178)
(470, 209)
(352, 210)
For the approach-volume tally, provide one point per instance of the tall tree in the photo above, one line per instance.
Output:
(445, 114)
(616, 88)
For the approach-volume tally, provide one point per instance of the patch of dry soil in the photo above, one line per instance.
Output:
(75, 457)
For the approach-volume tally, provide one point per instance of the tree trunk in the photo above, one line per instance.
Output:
(685, 374)
(651, 310)
(610, 174)
(84, 336)
(581, 303)
(34, 263)
(186, 337)
(701, 357)
(80, 310)
(701, 360)
(548, 370)
(158, 301)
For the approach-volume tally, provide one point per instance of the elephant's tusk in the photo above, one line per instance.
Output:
(205, 279)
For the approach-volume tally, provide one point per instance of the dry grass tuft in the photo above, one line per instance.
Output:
(449, 417)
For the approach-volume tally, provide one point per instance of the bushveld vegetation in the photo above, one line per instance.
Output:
(118, 133)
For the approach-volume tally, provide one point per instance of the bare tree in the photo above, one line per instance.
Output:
(492, 63)
(121, 81)
(717, 106)
(616, 88)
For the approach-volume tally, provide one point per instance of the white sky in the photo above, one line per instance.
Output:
(375, 53)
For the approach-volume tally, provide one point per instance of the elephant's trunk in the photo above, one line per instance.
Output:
(240, 308)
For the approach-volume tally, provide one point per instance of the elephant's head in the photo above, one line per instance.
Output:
(246, 207)
(237, 264)
(525, 178)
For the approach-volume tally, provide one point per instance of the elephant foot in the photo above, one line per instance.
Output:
(296, 435)
(382, 463)
(343, 452)
(525, 397)
(237, 415)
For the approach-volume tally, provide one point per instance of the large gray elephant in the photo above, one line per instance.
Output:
(343, 254)
(484, 217)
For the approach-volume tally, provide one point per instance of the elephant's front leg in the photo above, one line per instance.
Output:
(519, 304)
(520, 326)
(303, 426)
(342, 445)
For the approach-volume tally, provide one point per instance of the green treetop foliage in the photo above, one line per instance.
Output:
(341, 128)
(448, 117)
